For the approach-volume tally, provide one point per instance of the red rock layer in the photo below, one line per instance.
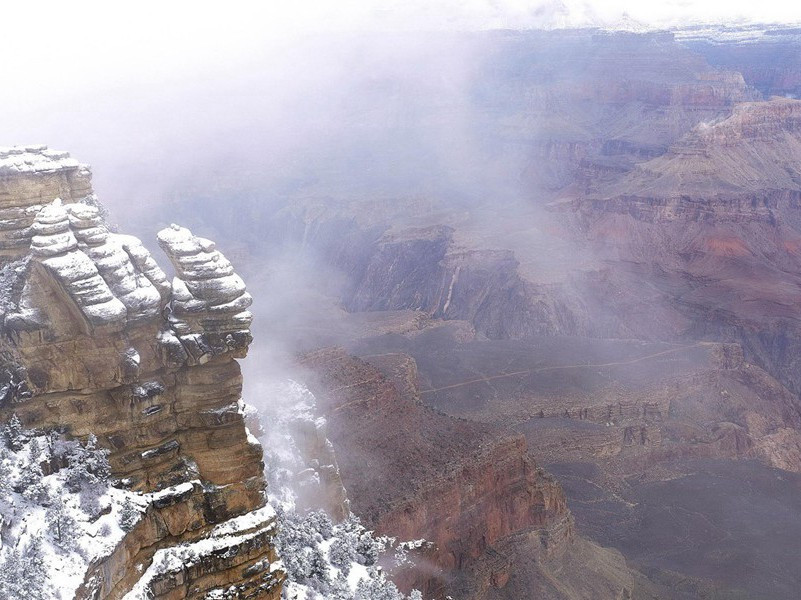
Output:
(414, 473)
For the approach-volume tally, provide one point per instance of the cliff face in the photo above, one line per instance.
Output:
(426, 270)
(97, 340)
(741, 168)
(468, 488)
(772, 65)
(714, 224)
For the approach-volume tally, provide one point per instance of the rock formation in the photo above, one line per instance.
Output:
(96, 340)
(491, 513)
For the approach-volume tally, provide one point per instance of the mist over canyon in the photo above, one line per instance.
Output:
(525, 321)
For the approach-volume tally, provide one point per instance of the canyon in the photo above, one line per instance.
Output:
(545, 295)
(611, 272)
(472, 491)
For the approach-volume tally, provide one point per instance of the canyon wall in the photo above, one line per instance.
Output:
(97, 340)
(469, 489)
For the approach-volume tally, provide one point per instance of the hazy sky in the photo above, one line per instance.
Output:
(61, 53)
(65, 43)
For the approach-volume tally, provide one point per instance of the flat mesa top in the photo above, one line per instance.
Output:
(34, 159)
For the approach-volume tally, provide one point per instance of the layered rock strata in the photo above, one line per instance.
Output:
(30, 177)
(467, 488)
(741, 168)
(96, 340)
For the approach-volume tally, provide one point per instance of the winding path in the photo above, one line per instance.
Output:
(632, 361)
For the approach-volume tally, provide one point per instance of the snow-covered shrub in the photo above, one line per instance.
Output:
(377, 587)
(12, 434)
(321, 523)
(327, 561)
(129, 515)
(342, 552)
(87, 471)
(24, 572)
(323, 560)
(51, 525)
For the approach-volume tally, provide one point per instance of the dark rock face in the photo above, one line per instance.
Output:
(422, 270)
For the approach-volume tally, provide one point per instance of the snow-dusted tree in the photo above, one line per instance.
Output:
(88, 465)
(62, 524)
(5, 473)
(97, 460)
(13, 435)
(30, 473)
(38, 492)
(129, 515)
(321, 523)
(317, 566)
(368, 548)
(35, 450)
(342, 552)
(34, 570)
(12, 583)
(340, 589)
(377, 587)
(87, 472)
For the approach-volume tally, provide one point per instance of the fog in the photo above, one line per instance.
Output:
(302, 136)
(229, 148)
(255, 124)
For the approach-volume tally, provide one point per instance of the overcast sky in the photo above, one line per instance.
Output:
(59, 52)
(68, 42)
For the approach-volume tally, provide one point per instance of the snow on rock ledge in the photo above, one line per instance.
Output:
(30, 176)
(37, 158)
(97, 341)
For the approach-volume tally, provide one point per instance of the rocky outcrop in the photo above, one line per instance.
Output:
(425, 270)
(31, 177)
(97, 341)
(742, 168)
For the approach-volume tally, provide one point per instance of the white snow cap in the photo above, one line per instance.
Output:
(35, 159)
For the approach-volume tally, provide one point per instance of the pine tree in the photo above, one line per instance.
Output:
(34, 571)
(13, 435)
(62, 524)
(38, 492)
(368, 548)
(340, 590)
(87, 472)
(129, 515)
(30, 475)
(12, 583)
(377, 587)
(5, 473)
(320, 522)
(35, 450)
(97, 460)
(317, 566)
(342, 552)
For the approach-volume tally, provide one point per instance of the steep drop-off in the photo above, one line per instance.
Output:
(494, 517)
(96, 340)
